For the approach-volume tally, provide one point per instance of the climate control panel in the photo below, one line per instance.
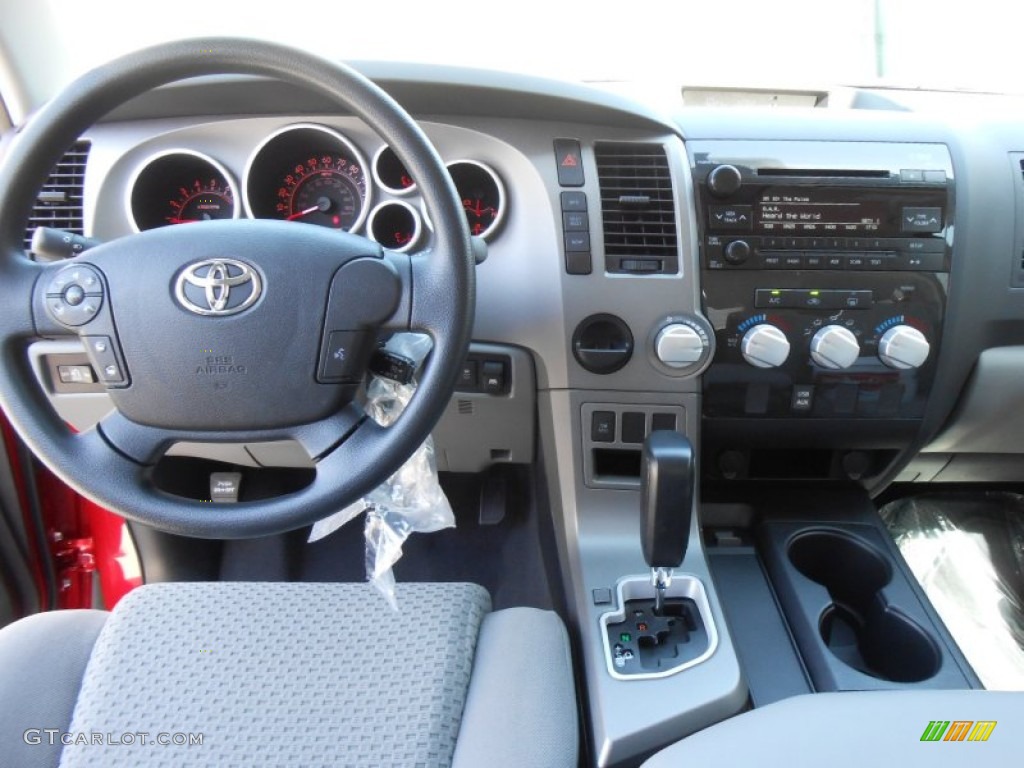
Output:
(842, 346)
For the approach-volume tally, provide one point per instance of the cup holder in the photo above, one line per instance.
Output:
(859, 628)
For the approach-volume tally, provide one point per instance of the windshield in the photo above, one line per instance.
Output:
(791, 43)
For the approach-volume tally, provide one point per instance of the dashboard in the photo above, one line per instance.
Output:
(791, 268)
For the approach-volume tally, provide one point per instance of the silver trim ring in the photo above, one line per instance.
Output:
(417, 224)
(217, 282)
(236, 207)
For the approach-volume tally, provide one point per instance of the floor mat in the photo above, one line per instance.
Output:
(967, 551)
(506, 558)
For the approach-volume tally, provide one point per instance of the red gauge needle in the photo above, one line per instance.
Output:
(300, 214)
(184, 221)
(323, 205)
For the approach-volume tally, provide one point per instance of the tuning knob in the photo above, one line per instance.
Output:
(724, 180)
(737, 252)
(835, 347)
(903, 347)
(765, 346)
(679, 345)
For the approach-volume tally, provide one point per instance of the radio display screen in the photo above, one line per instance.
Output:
(804, 210)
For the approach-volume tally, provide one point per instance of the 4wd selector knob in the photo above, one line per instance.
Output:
(835, 347)
(765, 346)
(724, 180)
(903, 347)
(679, 345)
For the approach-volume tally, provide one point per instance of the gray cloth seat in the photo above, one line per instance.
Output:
(290, 674)
(854, 729)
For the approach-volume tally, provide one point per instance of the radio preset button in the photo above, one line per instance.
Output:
(814, 260)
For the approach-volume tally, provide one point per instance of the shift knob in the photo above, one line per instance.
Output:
(666, 499)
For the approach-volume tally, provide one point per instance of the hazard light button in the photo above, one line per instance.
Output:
(569, 162)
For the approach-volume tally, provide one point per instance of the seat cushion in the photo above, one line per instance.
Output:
(42, 661)
(281, 674)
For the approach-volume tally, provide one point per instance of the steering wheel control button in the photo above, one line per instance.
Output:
(74, 296)
(104, 359)
(218, 287)
(569, 161)
(76, 374)
(344, 357)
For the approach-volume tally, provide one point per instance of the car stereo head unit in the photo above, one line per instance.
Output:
(759, 214)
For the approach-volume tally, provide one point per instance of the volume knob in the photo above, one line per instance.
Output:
(765, 346)
(724, 180)
(835, 347)
(903, 347)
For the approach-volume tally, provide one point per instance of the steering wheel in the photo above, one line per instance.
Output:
(229, 331)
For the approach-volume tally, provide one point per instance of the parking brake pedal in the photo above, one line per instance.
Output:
(225, 487)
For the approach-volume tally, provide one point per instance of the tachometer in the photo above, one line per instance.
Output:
(308, 173)
(180, 187)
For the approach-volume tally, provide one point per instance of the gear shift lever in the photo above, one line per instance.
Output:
(666, 506)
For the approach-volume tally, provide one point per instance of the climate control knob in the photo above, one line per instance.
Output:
(765, 346)
(835, 347)
(679, 345)
(903, 347)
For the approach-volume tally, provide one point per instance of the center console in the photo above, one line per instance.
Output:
(795, 337)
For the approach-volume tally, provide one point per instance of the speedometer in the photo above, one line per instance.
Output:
(308, 173)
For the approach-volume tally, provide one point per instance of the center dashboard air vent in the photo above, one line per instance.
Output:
(59, 204)
(638, 208)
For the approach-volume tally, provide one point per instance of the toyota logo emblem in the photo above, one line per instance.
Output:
(218, 287)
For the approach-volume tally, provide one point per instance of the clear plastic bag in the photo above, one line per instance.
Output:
(411, 500)
(967, 551)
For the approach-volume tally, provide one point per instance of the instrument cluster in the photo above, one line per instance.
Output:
(310, 174)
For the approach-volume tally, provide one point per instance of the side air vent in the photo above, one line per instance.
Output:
(59, 204)
(1017, 271)
(638, 208)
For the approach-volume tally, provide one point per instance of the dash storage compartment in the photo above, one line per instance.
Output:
(856, 620)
